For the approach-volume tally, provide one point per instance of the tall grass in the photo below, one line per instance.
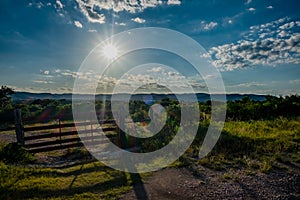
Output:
(254, 144)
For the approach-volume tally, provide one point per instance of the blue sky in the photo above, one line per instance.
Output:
(254, 43)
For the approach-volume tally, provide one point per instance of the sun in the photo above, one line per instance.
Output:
(110, 51)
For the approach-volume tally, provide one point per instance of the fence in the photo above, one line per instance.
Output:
(61, 135)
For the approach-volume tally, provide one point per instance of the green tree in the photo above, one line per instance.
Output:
(5, 96)
(6, 106)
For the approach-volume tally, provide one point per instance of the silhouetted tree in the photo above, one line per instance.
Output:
(5, 96)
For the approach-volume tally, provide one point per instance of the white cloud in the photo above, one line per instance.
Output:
(203, 26)
(90, 76)
(33, 89)
(92, 31)
(61, 14)
(174, 2)
(139, 20)
(251, 9)
(270, 7)
(120, 23)
(288, 25)
(266, 44)
(92, 9)
(87, 8)
(296, 81)
(248, 2)
(38, 5)
(42, 82)
(155, 69)
(151, 80)
(248, 85)
(210, 26)
(78, 24)
(59, 4)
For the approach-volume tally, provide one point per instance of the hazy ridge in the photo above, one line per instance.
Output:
(202, 97)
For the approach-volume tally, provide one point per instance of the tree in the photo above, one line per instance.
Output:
(5, 96)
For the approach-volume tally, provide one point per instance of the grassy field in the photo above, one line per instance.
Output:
(254, 145)
(85, 181)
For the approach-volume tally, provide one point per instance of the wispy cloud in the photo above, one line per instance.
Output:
(296, 81)
(248, 85)
(41, 89)
(120, 23)
(92, 31)
(203, 26)
(209, 26)
(42, 81)
(38, 5)
(154, 80)
(90, 76)
(248, 2)
(266, 44)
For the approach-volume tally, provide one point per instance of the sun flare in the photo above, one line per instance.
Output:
(110, 51)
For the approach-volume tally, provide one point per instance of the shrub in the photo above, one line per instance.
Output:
(14, 153)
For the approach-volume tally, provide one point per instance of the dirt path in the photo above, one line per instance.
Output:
(174, 183)
(7, 137)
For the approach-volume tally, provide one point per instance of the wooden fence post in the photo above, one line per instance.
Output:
(19, 126)
(59, 124)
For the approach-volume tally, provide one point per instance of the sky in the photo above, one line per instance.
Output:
(255, 44)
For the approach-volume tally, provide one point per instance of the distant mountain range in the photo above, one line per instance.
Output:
(202, 97)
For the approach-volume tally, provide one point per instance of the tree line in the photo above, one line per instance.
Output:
(39, 111)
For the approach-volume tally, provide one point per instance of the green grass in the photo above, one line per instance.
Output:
(256, 145)
(252, 146)
(84, 181)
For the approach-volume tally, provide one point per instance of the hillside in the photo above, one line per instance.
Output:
(202, 97)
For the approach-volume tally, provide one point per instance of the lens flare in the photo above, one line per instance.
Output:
(110, 51)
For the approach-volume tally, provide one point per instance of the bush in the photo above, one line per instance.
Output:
(14, 153)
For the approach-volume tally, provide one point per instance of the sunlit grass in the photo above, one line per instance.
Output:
(257, 145)
(83, 181)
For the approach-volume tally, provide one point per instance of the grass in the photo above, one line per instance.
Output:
(253, 146)
(256, 145)
(83, 181)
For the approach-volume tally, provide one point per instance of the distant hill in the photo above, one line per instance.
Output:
(202, 97)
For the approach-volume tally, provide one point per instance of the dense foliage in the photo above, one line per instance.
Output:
(39, 111)
(271, 108)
